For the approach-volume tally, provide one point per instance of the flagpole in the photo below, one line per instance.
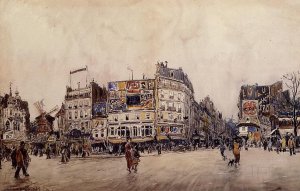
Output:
(86, 75)
(70, 79)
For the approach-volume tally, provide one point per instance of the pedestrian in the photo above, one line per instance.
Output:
(158, 147)
(22, 159)
(63, 155)
(278, 145)
(13, 158)
(270, 145)
(265, 144)
(291, 146)
(236, 152)
(135, 158)
(283, 144)
(48, 153)
(128, 156)
(222, 150)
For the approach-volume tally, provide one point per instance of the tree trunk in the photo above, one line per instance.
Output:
(295, 121)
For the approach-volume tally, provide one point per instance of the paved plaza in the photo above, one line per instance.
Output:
(196, 170)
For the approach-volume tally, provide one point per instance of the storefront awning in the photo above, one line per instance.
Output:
(141, 140)
(178, 138)
(162, 137)
(117, 141)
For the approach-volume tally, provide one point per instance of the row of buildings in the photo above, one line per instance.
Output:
(264, 111)
(162, 108)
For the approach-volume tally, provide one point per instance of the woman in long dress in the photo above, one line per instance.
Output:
(128, 156)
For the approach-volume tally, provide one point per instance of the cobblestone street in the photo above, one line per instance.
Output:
(196, 170)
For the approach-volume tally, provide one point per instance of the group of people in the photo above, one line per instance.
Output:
(236, 147)
(284, 143)
(19, 158)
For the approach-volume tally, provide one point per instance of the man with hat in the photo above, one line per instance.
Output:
(22, 159)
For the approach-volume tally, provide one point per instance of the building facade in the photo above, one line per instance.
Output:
(174, 99)
(78, 109)
(131, 108)
(257, 106)
(14, 118)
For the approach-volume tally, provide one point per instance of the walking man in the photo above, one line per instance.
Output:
(22, 159)
(291, 145)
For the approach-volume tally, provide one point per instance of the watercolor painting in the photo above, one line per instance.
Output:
(149, 95)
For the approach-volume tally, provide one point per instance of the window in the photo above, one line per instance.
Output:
(179, 108)
(70, 115)
(127, 117)
(96, 135)
(70, 105)
(137, 116)
(162, 106)
(76, 114)
(75, 104)
(118, 131)
(179, 96)
(81, 114)
(123, 131)
(143, 132)
(112, 131)
(115, 118)
(147, 115)
(148, 130)
(102, 133)
(171, 95)
(7, 124)
(135, 131)
(171, 74)
(80, 104)
(85, 113)
(162, 94)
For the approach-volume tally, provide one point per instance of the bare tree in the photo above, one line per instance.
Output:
(292, 81)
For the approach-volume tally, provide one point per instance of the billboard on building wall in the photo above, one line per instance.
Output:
(133, 87)
(248, 92)
(116, 105)
(249, 108)
(263, 97)
(112, 86)
(99, 109)
(128, 95)
(122, 86)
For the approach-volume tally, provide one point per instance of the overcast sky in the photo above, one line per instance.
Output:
(221, 45)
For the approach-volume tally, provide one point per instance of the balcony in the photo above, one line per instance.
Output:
(163, 108)
(171, 109)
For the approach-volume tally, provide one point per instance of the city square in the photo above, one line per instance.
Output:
(203, 169)
(149, 95)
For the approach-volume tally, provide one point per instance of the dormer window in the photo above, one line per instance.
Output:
(171, 74)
